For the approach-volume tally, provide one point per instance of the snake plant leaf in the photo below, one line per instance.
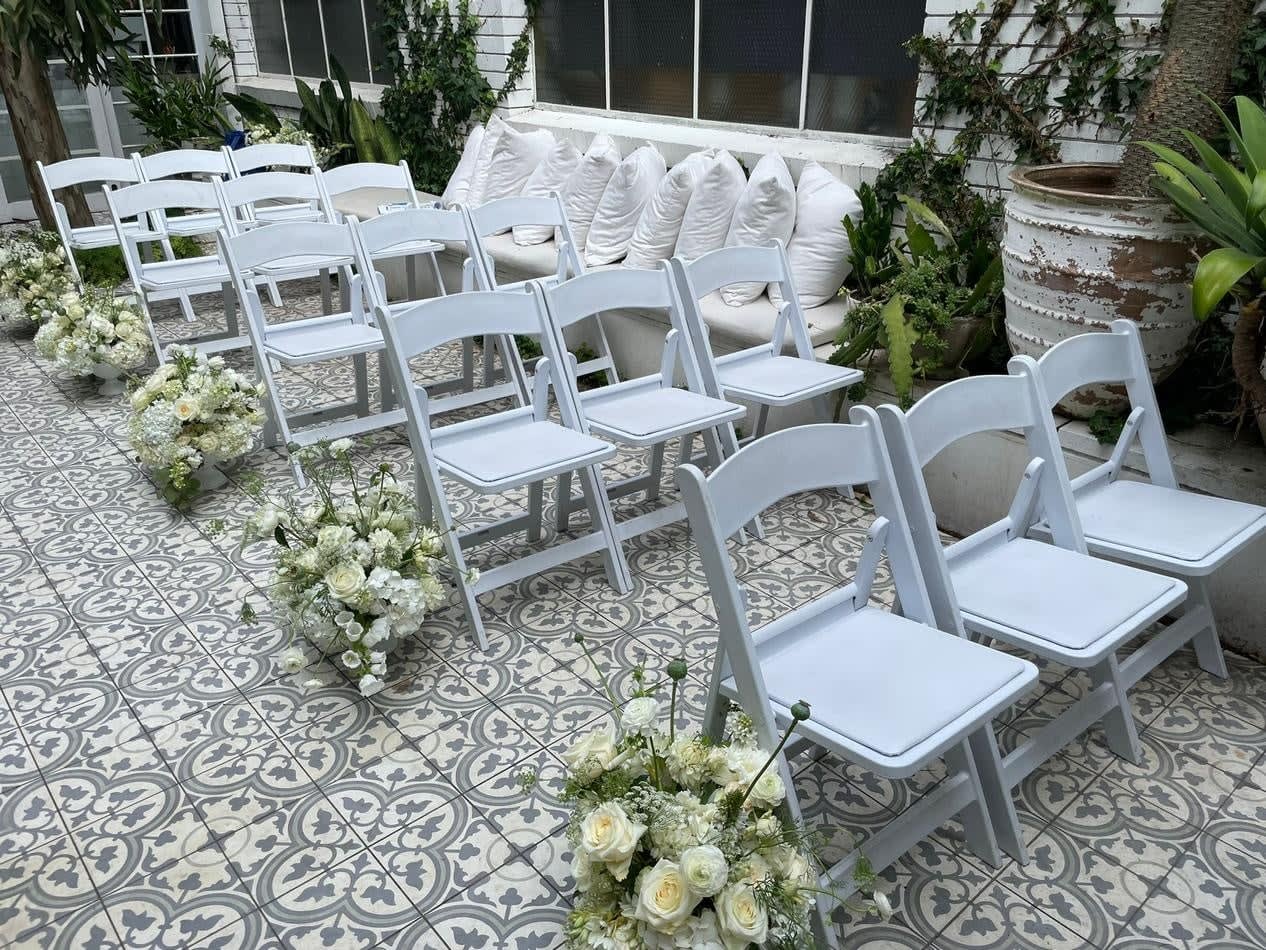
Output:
(1233, 181)
(363, 132)
(307, 100)
(340, 76)
(926, 216)
(1218, 272)
(901, 337)
(253, 111)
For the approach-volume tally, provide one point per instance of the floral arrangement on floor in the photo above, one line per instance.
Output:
(189, 414)
(92, 330)
(686, 842)
(287, 133)
(355, 571)
(34, 274)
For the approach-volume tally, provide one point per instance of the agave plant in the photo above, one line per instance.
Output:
(1228, 202)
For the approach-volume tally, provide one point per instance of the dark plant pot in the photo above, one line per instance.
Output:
(235, 138)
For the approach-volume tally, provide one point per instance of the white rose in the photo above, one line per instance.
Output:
(608, 835)
(741, 917)
(640, 716)
(293, 660)
(592, 753)
(185, 409)
(345, 580)
(664, 900)
(705, 869)
(769, 789)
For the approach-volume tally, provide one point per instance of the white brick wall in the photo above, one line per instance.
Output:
(237, 27)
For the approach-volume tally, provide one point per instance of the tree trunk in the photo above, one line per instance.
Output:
(1204, 39)
(37, 128)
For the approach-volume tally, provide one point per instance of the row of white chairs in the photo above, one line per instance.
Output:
(1077, 572)
(522, 447)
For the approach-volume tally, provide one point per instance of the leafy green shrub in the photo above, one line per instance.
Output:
(104, 267)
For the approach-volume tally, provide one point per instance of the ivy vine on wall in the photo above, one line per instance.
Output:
(438, 91)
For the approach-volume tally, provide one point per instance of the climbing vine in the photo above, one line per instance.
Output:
(439, 91)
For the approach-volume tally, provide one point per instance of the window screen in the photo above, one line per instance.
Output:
(345, 36)
(270, 37)
(570, 54)
(652, 56)
(750, 64)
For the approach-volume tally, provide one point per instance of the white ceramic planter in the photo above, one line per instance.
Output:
(109, 379)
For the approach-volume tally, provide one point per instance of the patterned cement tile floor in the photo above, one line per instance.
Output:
(163, 785)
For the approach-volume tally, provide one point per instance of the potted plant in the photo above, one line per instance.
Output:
(1227, 203)
(1086, 244)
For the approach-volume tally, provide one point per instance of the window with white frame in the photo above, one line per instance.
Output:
(165, 36)
(298, 37)
(831, 65)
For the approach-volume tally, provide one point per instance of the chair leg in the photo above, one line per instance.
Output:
(411, 276)
(536, 504)
(822, 411)
(1118, 725)
(327, 297)
(978, 830)
(186, 307)
(656, 471)
(562, 515)
(360, 371)
(468, 364)
(274, 294)
(998, 797)
(1206, 643)
(686, 448)
(603, 520)
(440, 289)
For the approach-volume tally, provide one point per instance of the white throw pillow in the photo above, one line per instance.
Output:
(550, 176)
(586, 185)
(655, 236)
(492, 134)
(819, 246)
(765, 211)
(516, 156)
(626, 195)
(707, 218)
(459, 184)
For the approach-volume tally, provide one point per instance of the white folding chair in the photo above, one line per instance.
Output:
(300, 159)
(172, 279)
(887, 691)
(379, 237)
(198, 163)
(311, 340)
(647, 412)
(93, 170)
(1153, 523)
(502, 215)
(761, 374)
(241, 200)
(379, 175)
(511, 449)
(1053, 600)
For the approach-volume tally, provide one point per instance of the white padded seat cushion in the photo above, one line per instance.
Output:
(190, 270)
(99, 235)
(639, 413)
(305, 342)
(780, 377)
(1067, 600)
(492, 456)
(1182, 525)
(894, 683)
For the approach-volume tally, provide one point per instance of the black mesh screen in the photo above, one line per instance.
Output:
(569, 53)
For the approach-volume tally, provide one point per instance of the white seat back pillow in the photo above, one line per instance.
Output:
(655, 236)
(766, 211)
(623, 201)
(550, 176)
(819, 246)
(586, 185)
(517, 155)
(707, 218)
(458, 186)
(492, 134)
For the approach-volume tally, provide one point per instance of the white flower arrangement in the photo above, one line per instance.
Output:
(190, 412)
(682, 842)
(354, 572)
(34, 274)
(287, 133)
(93, 329)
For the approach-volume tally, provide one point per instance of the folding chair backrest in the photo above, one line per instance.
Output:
(1115, 357)
(90, 170)
(386, 231)
(503, 214)
(270, 155)
(953, 412)
(241, 195)
(581, 297)
(145, 202)
(183, 161)
(804, 458)
(345, 178)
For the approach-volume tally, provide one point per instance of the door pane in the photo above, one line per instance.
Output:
(307, 55)
(345, 35)
(270, 38)
(652, 56)
(171, 33)
(860, 77)
(570, 66)
(750, 64)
